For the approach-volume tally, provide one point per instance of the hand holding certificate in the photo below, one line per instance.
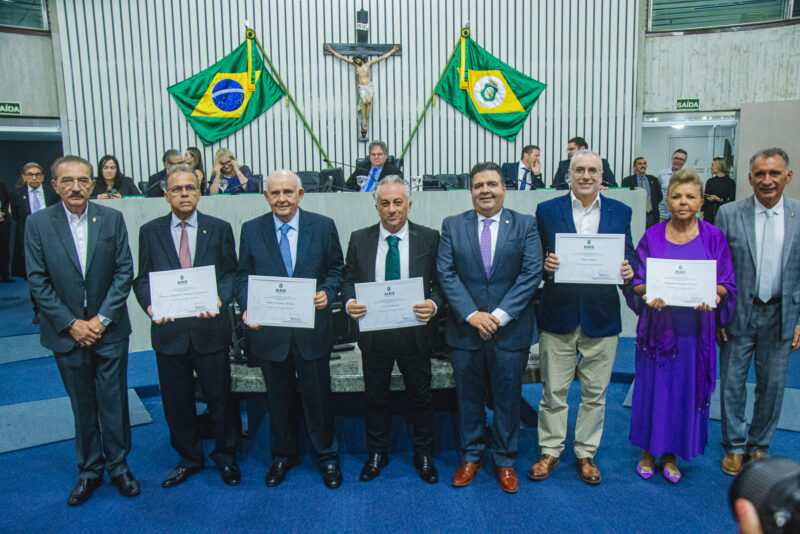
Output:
(183, 293)
(281, 301)
(688, 283)
(389, 304)
(590, 258)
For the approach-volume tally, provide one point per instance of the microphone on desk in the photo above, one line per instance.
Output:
(339, 163)
(160, 183)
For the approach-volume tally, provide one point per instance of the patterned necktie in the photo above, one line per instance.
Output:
(286, 251)
(768, 257)
(522, 186)
(183, 254)
(37, 205)
(486, 246)
(371, 182)
(393, 258)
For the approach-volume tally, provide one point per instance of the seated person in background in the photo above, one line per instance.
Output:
(650, 183)
(573, 145)
(230, 177)
(375, 171)
(157, 182)
(720, 189)
(110, 182)
(526, 173)
(194, 159)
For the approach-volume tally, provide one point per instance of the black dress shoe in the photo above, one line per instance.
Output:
(231, 474)
(179, 475)
(83, 490)
(332, 476)
(372, 468)
(427, 471)
(277, 473)
(126, 484)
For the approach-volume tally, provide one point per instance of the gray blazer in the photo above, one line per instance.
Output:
(55, 278)
(737, 221)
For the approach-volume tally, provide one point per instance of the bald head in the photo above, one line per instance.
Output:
(284, 191)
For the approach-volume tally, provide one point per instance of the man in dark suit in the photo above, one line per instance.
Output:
(574, 145)
(578, 319)
(295, 243)
(5, 232)
(650, 184)
(154, 187)
(763, 231)
(525, 174)
(80, 271)
(490, 262)
(375, 171)
(395, 249)
(183, 239)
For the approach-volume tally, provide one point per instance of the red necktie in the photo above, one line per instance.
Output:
(183, 254)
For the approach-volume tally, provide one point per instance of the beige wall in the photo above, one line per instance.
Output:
(29, 74)
(765, 125)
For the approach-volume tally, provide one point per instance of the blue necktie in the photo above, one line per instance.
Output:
(524, 180)
(286, 251)
(371, 180)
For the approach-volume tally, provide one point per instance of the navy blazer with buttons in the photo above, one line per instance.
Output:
(214, 246)
(595, 307)
(319, 256)
(515, 275)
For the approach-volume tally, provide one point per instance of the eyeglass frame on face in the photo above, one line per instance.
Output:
(33, 174)
(680, 157)
(580, 171)
(69, 181)
(178, 189)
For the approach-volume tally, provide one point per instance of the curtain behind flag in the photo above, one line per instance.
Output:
(493, 94)
(227, 95)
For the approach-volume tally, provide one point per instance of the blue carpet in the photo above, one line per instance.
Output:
(16, 309)
(27, 347)
(30, 424)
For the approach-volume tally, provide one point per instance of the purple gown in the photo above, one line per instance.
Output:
(676, 351)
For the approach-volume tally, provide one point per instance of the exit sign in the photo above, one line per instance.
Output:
(688, 104)
(10, 108)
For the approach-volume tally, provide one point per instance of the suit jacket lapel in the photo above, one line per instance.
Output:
(305, 236)
(272, 247)
(413, 251)
(472, 238)
(165, 238)
(749, 222)
(201, 240)
(566, 212)
(93, 224)
(605, 216)
(790, 232)
(370, 252)
(61, 226)
(502, 236)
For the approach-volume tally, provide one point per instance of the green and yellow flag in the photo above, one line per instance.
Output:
(493, 94)
(227, 95)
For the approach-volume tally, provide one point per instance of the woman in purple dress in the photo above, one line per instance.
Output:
(675, 349)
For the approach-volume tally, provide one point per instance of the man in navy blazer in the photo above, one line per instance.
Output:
(574, 145)
(295, 243)
(183, 239)
(489, 264)
(80, 271)
(525, 174)
(578, 318)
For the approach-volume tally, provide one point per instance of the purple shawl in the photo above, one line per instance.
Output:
(655, 333)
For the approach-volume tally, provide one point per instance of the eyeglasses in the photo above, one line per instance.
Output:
(178, 189)
(83, 182)
(580, 171)
(33, 174)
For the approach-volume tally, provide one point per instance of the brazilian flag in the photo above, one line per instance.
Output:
(227, 95)
(488, 91)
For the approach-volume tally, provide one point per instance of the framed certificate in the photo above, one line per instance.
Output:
(589, 258)
(281, 301)
(687, 283)
(390, 304)
(183, 292)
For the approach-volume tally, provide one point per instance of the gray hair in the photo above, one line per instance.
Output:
(169, 154)
(380, 144)
(283, 171)
(181, 167)
(583, 153)
(768, 153)
(392, 179)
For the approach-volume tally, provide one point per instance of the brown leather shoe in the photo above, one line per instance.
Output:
(465, 473)
(507, 479)
(541, 469)
(732, 464)
(588, 471)
(758, 455)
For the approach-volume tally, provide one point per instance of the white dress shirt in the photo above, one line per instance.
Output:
(522, 169)
(291, 235)
(79, 227)
(494, 229)
(777, 254)
(34, 193)
(191, 233)
(587, 221)
(383, 249)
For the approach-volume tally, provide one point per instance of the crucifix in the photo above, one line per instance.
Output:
(360, 51)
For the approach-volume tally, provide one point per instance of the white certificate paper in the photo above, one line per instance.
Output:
(589, 258)
(682, 282)
(183, 292)
(390, 304)
(281, 301)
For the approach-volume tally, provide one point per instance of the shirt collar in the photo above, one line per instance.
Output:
(777, 208)
(190, 221)
(495, 217)
(72, 217)
(402, 233)
(31, 190)
(577, 203)
(293, 222)
(377, 170)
